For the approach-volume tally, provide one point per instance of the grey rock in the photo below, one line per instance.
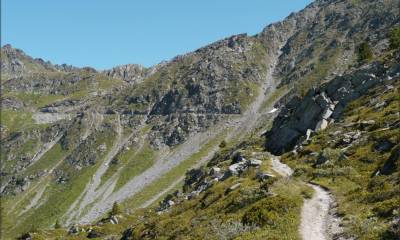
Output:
(319, 107)
(127, 234)
(238, 168)
(264, 176)
(327, 113)
(131, 73)
(95, 234)
(308, 134)
(74, 229)
(383, 145)
(114, 219)
(321, 125)
(234, 187)
(26, 236)
(321, 159)
(255, 162)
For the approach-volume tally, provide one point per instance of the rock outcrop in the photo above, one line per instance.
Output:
(322, 105)
(130, 73)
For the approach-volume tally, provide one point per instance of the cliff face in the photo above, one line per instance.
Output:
(78, 134)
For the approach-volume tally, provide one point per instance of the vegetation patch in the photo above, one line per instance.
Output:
(358, 170)
(136, 163)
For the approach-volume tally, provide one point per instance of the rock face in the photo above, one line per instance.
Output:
(194, 91)
(131, 73)
(322, 105)
(15, 63)
(12, 61)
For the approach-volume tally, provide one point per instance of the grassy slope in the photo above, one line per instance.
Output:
(58, 197)
(167, 179)
(367, 201)
(249, 212)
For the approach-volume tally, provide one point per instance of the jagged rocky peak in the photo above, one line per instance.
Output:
(237, 42)
(11, 63)
(325, 35)
(16, 63)
(131, 73)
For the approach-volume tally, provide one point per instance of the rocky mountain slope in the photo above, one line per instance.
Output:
(75, 140)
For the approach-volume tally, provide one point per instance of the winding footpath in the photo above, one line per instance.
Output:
(317, 221)
(315, 215)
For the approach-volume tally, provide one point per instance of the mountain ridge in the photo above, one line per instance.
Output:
(134, 132)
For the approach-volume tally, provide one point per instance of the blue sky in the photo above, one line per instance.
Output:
(103, 34)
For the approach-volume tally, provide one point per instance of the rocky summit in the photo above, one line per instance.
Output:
(292, 133)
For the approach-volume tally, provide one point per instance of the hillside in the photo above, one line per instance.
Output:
(185, 147)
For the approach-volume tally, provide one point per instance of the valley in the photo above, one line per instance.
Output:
(292, 133)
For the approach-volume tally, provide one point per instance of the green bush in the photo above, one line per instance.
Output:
(364, 52)
(57, 225)
(386, 208)
(222, 144)
(267, 212)
(116, 209)
(307, 193)
(394, 38)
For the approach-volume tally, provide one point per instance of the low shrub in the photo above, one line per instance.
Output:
(268, 211)
(394, 38)
(364, 52)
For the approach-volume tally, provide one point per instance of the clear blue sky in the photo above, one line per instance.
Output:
(103, 34)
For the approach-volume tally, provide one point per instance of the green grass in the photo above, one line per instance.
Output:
(275, 95)
(368, 202)
(130, 161)
(47, 161)
(57, 197)
(35, 100)
(106, 83)
(122, 158)
(28, 148)
(273, 215)
(136, 163)
(167, 179)
(243, 93)
(15, 120)
(281, 213)
(198, 216)
(322, 67)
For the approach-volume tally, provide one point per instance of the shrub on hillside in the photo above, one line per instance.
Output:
(394, 38)
(57, 225)
(116, 209)
(222, 144)
(364, 52)
(230, 230)
(268, 211)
